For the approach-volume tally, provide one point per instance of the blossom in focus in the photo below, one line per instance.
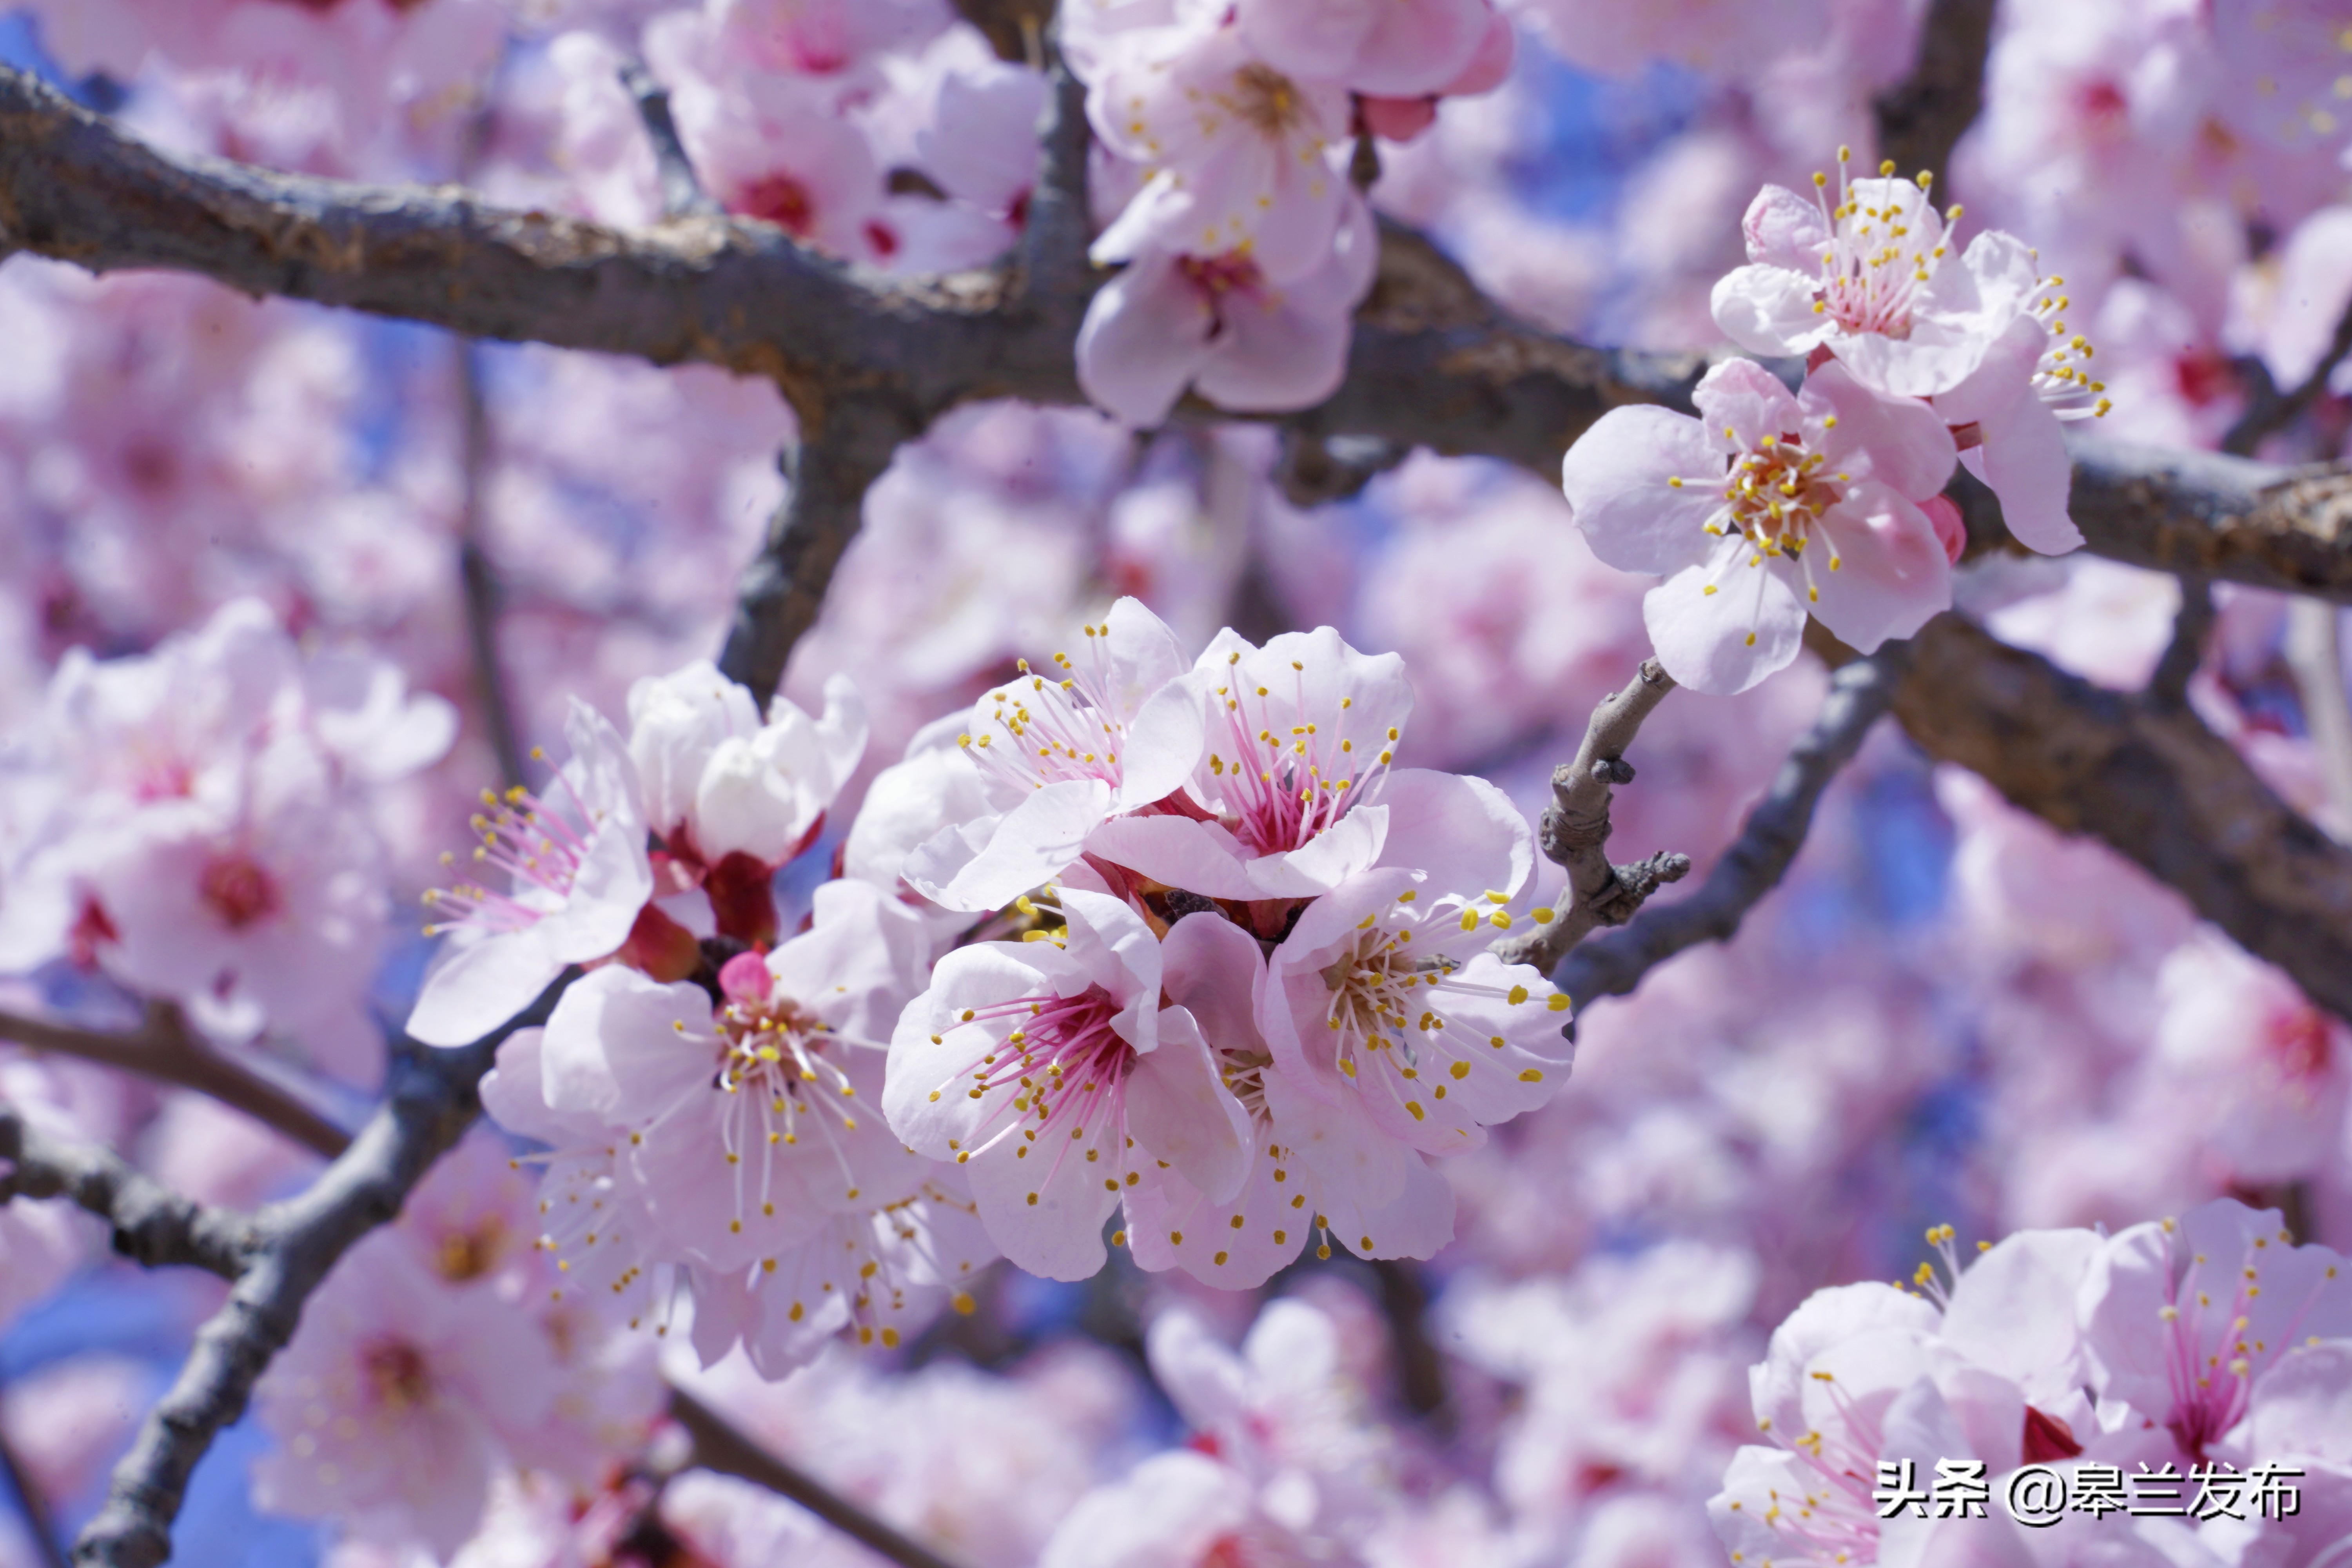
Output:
(1315, 1171)
(1112, 731)
(1068, 1033)
(1766, 508)
(575, 862)
(1295, 788)
(731, 797)
(1983, 335)
(2182, 1319)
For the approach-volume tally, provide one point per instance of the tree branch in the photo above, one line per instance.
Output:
(1613, 964)
(2150, 781)
(1575, 831)
(165, 1049)
(719, 1446)
(151, 1224)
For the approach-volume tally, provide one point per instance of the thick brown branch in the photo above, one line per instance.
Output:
(165, 1049)
(739, 294)
(719, 1446)
(2151, 782)
(151, 1224)
(1575, 833)
(1615, 964)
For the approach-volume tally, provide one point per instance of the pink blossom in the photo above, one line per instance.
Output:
(1984, 336)
(1285, 1411)
(1314, 1171)
(2284, 60)
(1384, 997)
(1632, 1370)
(1180, 1509)
(1240, 154)
(1297, 791)
(2268, 1074)
(881, 1274)
(823, 37)
(1818, 510)
(768, 146)
(2300, 1414)
(1069, 1032)
(732, 798)
(1383, 51)
(744, 1121)
(576, 861)
(2182, 1319)
(395, 1400)
(1115, 732)
(1221, 322)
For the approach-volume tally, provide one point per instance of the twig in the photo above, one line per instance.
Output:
(2192, 624)
(1922, 118)
(40, 1522)
(164, 1049)
(151, 1224)
(719, 1446)
(476, 577)
(2315, 652)
(1768, 840)
(830, 470)
(2269, 412)
(682, 192)
(1576, 829)
(432, 1099)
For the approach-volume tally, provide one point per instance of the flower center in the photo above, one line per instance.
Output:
(532, 845)
(1388, 1016)
(1217, 275)
(1264, 99)
(1877, 256)
(1054, 731)
(1287, 781)
(238, 890)
(469, 1253)
(396, 1375)
(782, 201)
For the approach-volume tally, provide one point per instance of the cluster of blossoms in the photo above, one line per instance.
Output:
(1243, 996)
(1244, 242)
(1769, 506)
(2178, 1345)
(197, 824)
(784, 1114)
